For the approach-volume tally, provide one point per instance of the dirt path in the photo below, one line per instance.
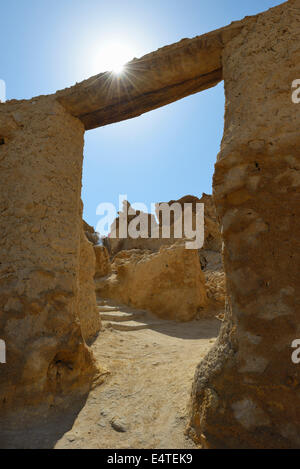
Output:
(148, 389)
(142, 403)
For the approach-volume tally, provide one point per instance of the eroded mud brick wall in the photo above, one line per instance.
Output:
(41, 165)
(90, 321)
(247, 391)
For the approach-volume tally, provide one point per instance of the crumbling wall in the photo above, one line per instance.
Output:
(169, 283)
(41, 165)
(90, 233)
(246, 391)
(212, 237)
(103, 265)
(89, 316)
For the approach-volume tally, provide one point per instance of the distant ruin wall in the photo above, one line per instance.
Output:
(169, 283)
(41, 166)
(212, 237)
(103, 265)
(246, 391)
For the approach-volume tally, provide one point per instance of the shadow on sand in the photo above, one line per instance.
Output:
(45, 428)
(41, 430)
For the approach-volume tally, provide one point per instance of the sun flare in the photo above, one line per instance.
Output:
(114, 56)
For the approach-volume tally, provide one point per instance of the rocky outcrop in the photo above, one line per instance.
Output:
(169, 283)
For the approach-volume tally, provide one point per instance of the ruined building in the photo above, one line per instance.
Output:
(246, 391)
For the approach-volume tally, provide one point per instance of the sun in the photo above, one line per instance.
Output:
(113, 56)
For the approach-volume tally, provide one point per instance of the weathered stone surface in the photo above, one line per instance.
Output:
(41, 163)
(169, 283)
(103, 265)
(90, 233)
(157, 79)
(89, 317)
(209, 255)
(215, 288)
(212, 236)
(246, 391)
(116, 241)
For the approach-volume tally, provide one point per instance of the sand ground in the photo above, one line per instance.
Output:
(143, 401)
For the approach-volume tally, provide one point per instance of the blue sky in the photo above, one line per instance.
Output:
(162, 155)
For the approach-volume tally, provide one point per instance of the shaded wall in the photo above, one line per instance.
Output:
(169, 283)
(41, 165)
(246, 391)
(89, 316)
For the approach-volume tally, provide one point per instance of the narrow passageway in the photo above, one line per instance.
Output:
(143, 402)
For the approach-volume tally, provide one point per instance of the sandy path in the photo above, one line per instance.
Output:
(148, 389)
(145, 395)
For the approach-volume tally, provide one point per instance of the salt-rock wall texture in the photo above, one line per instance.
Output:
(209, 255)
(103, 265)
(116, 243)
(169, 283)
(41, 164)
(246, 391)
(98, 264)
(212, 237)
(90, 233)
(214, 274)
(89, 316)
